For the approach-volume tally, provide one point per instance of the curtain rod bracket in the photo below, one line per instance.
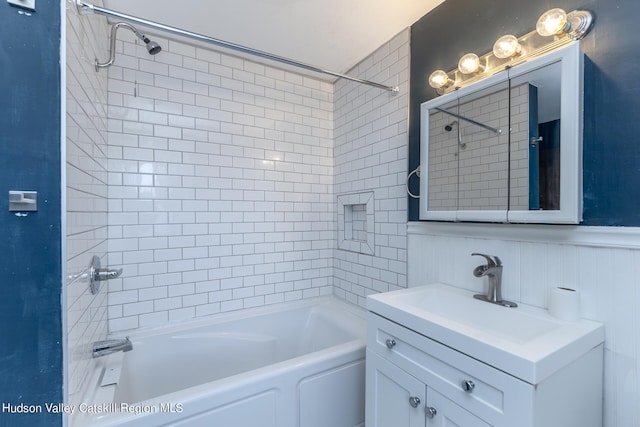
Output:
(83, 8)
(87, 8)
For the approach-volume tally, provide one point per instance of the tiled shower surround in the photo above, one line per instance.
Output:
(221, 181)
(86, 193)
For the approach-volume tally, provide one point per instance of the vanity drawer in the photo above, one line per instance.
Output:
(493, 395)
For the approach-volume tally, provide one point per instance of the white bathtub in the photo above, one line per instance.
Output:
(295, 364)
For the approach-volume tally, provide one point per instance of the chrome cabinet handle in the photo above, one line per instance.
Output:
(430, 411)
(390, 343)
(468, 386)
(414, 401)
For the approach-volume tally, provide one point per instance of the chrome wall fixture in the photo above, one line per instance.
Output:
(87, 8)
(96, 274)
(510, 50)
(152, 47)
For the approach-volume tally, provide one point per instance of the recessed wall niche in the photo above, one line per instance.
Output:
(355, 223)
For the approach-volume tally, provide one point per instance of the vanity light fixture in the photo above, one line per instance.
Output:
(510, 50)
(440, 79)
(556, 21)
(470, 64)
(506, 47)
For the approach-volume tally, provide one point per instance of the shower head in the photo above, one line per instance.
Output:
(152, 47)
(450, 126)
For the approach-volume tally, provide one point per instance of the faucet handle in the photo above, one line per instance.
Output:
(490, 260)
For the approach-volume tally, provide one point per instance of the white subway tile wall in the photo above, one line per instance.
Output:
(371, 155)
(595, 261)
(220, 184)
(86, 192)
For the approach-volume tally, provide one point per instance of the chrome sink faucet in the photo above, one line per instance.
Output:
(493, 270)
(103, 348)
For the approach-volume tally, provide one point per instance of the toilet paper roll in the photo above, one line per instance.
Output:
(564, 303)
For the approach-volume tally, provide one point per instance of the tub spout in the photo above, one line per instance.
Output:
(103, 348)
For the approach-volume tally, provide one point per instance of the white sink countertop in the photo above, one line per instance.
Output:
(523, 341)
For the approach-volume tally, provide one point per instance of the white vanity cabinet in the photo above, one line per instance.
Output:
(413, 380)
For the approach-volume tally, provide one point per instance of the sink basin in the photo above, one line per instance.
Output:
(455, 305)
(523, 341)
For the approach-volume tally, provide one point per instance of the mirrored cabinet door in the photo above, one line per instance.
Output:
(546, 138)
(464, 154)
(535, 140)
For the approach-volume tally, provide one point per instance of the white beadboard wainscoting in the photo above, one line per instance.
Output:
(602, 263)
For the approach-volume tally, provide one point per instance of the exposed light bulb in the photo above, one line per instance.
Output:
(552, 22)
(439, 79)
(506, 47)
(469, 64)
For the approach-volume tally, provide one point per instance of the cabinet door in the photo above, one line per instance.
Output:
(442, 412)
(393, 398)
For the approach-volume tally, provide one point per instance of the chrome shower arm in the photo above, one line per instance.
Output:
(112, 43)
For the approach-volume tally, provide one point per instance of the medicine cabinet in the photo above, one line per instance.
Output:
(507, 148)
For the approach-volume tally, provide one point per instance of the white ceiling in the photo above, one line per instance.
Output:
(330, 34)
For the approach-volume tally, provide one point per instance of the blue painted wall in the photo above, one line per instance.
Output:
(611, 98)
(30, 254)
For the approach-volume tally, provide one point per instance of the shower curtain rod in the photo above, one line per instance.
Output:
(86, 8)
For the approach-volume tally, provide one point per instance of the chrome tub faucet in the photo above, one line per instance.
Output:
(493, 270)
(103, 348)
